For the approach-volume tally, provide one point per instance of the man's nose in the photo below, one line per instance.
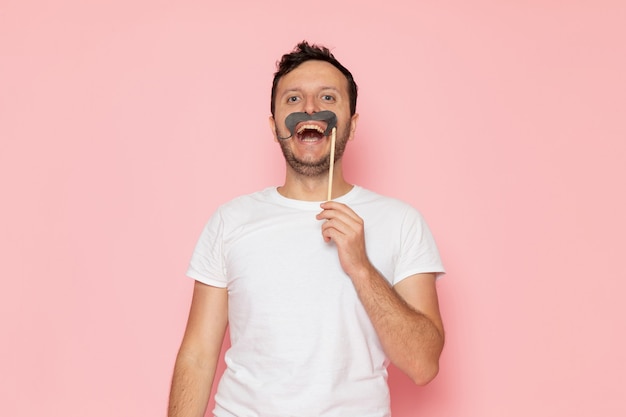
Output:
(310, 105)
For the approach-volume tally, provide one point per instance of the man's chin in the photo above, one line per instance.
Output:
(309, 169)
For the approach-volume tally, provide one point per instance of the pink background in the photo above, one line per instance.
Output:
(123, 124)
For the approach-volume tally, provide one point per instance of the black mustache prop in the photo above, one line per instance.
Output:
(295, 118)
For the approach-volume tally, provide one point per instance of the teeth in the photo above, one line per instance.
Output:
(310, 127)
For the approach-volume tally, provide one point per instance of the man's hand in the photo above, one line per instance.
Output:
(346, 229)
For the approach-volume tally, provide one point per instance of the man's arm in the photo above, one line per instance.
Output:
(406, 317)
(199, 352)
(407, 321)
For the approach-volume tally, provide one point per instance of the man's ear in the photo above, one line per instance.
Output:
(273, 128)
(353, 121)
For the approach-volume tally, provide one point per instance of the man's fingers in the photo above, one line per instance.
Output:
(340, 208)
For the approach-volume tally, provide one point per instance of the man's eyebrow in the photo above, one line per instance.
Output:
(291, 90)
(299, 90)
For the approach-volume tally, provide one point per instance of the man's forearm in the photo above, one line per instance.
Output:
(191, 387)
(411, 340)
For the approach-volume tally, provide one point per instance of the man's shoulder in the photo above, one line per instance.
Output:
(369, 198)
(242, 209)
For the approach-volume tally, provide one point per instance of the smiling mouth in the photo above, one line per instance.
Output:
(307, 126)
(309, 132)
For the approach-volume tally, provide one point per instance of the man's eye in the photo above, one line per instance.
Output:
(327, 97)
(293, 99)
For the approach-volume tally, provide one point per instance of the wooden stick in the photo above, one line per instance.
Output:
(333, 138)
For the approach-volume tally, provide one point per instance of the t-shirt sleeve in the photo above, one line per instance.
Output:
(207, 262)
(419, 253)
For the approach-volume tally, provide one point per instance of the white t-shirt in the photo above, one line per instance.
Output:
(301, 341)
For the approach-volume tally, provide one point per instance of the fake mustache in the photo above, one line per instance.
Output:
(295, 118)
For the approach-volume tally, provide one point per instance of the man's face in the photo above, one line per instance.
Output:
(312, 87)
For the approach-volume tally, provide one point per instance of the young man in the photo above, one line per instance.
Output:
(319, 295)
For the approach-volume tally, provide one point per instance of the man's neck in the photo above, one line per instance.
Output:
(299, 187)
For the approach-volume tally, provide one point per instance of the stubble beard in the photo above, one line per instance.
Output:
(313, 168)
